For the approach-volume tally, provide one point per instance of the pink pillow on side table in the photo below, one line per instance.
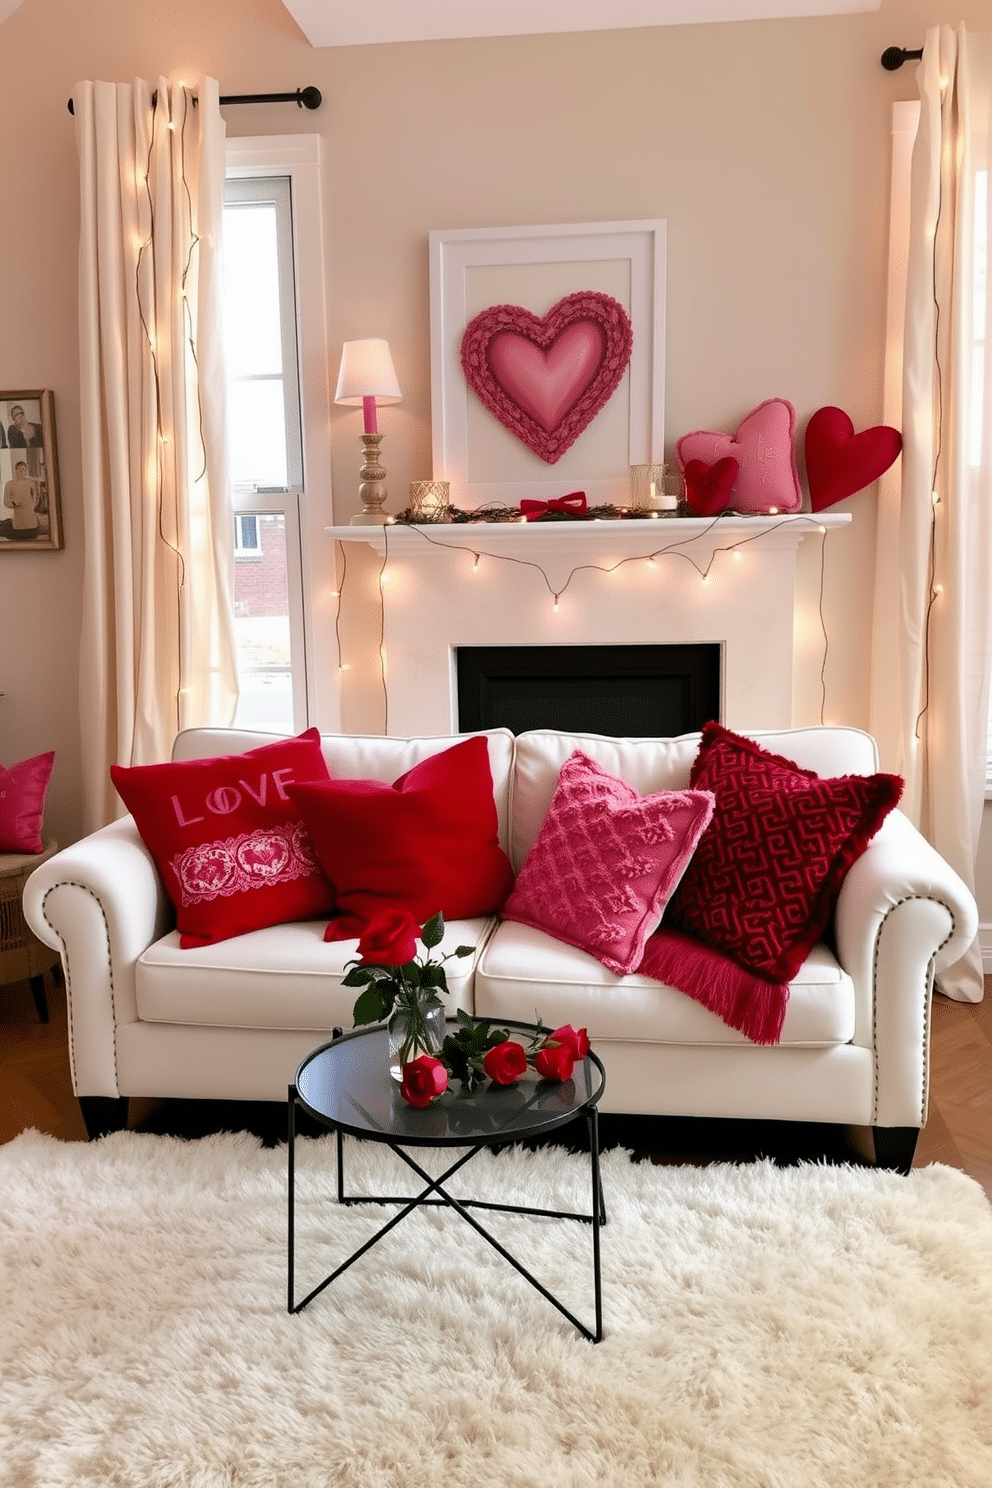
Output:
(22, 803)
(606, 862)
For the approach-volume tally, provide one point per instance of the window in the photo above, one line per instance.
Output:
(265, 451)
(246, 540)
(278, 433)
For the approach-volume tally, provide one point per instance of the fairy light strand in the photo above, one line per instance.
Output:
(934, 590)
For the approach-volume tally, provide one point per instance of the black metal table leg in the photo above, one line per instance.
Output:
(292, 1187)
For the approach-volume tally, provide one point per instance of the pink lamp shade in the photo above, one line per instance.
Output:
(367, 378)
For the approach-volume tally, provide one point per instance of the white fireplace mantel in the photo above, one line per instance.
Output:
(680, 580)
(698, 537)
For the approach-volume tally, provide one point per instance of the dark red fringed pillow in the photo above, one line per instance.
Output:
(762, 884)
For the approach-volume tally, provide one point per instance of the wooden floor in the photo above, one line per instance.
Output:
(36, 1091)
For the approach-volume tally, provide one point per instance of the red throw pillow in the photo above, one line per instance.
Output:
(427, 842)
(606, 862)
(763, 882)
(227, 838)
(22, 803)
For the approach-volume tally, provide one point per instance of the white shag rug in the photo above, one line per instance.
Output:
(764, 1327)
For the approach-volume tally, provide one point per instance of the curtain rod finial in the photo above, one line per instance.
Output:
(893, 57)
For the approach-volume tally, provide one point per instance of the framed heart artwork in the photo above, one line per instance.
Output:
(547, 359)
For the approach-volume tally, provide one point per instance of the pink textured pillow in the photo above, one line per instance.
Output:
(22, 803)
(764, 447)
(606, 862)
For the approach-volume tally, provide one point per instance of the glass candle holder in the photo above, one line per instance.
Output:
(652, 489)
(430, 500)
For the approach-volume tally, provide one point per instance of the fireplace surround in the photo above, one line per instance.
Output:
(728, 582)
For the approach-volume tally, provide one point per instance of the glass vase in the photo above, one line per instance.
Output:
(412, 1034)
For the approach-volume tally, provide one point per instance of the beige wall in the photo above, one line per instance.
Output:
(765, 145)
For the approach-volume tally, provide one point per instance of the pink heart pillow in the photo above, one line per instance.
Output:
(840, 462)
(764, 447)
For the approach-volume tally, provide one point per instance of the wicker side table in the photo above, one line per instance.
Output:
(23, 957)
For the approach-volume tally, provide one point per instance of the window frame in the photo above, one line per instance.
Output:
(310, 558)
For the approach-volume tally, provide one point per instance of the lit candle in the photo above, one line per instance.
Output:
(653, 494)
(368, 408)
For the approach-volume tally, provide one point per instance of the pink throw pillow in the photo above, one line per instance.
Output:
(606, 862)
(22, 803)
(764, 447)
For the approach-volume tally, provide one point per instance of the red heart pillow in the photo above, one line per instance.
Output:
(708, 487)
(840, 462)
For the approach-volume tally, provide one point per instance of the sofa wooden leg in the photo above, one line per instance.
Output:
(103, 1114)
(895, 1146)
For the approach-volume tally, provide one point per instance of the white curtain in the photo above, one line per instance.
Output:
(933, 605)
(157, 646)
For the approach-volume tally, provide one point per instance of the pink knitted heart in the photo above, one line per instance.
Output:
(764, 447)
(545, 378)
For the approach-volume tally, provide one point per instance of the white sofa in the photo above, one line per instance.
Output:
(233, 1020)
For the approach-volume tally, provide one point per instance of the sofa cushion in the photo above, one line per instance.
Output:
(282, 977)
(227, 839)
(606, 862)
(427, 843)
(523, 972)
(763, 882)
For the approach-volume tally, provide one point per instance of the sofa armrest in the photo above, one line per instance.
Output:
(100, 903)
(902, 915)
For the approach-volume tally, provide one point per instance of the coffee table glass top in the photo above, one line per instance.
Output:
(347, 1084)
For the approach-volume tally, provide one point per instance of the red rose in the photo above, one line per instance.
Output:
(575, 1039)
(555, 1062)
(424, 1079)
(390, 939)
(505, 1063)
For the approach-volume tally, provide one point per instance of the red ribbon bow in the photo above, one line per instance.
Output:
(574, 503)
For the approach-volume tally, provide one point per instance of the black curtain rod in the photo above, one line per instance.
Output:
(894, 57)
(310, 98)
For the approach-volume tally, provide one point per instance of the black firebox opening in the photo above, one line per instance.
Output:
(627, 691)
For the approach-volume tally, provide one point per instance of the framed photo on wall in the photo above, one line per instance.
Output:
(30, 510)
(475, 270)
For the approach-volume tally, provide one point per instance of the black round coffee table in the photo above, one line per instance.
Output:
(346, 1085)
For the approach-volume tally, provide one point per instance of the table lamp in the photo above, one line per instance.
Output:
(367, 379)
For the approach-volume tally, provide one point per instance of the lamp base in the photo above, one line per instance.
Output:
(372, 486)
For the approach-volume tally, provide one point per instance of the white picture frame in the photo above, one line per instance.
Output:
(472, 269)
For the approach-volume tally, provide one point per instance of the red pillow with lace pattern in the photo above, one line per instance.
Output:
(228, 840)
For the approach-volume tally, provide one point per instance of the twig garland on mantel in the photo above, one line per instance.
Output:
(500, 514)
